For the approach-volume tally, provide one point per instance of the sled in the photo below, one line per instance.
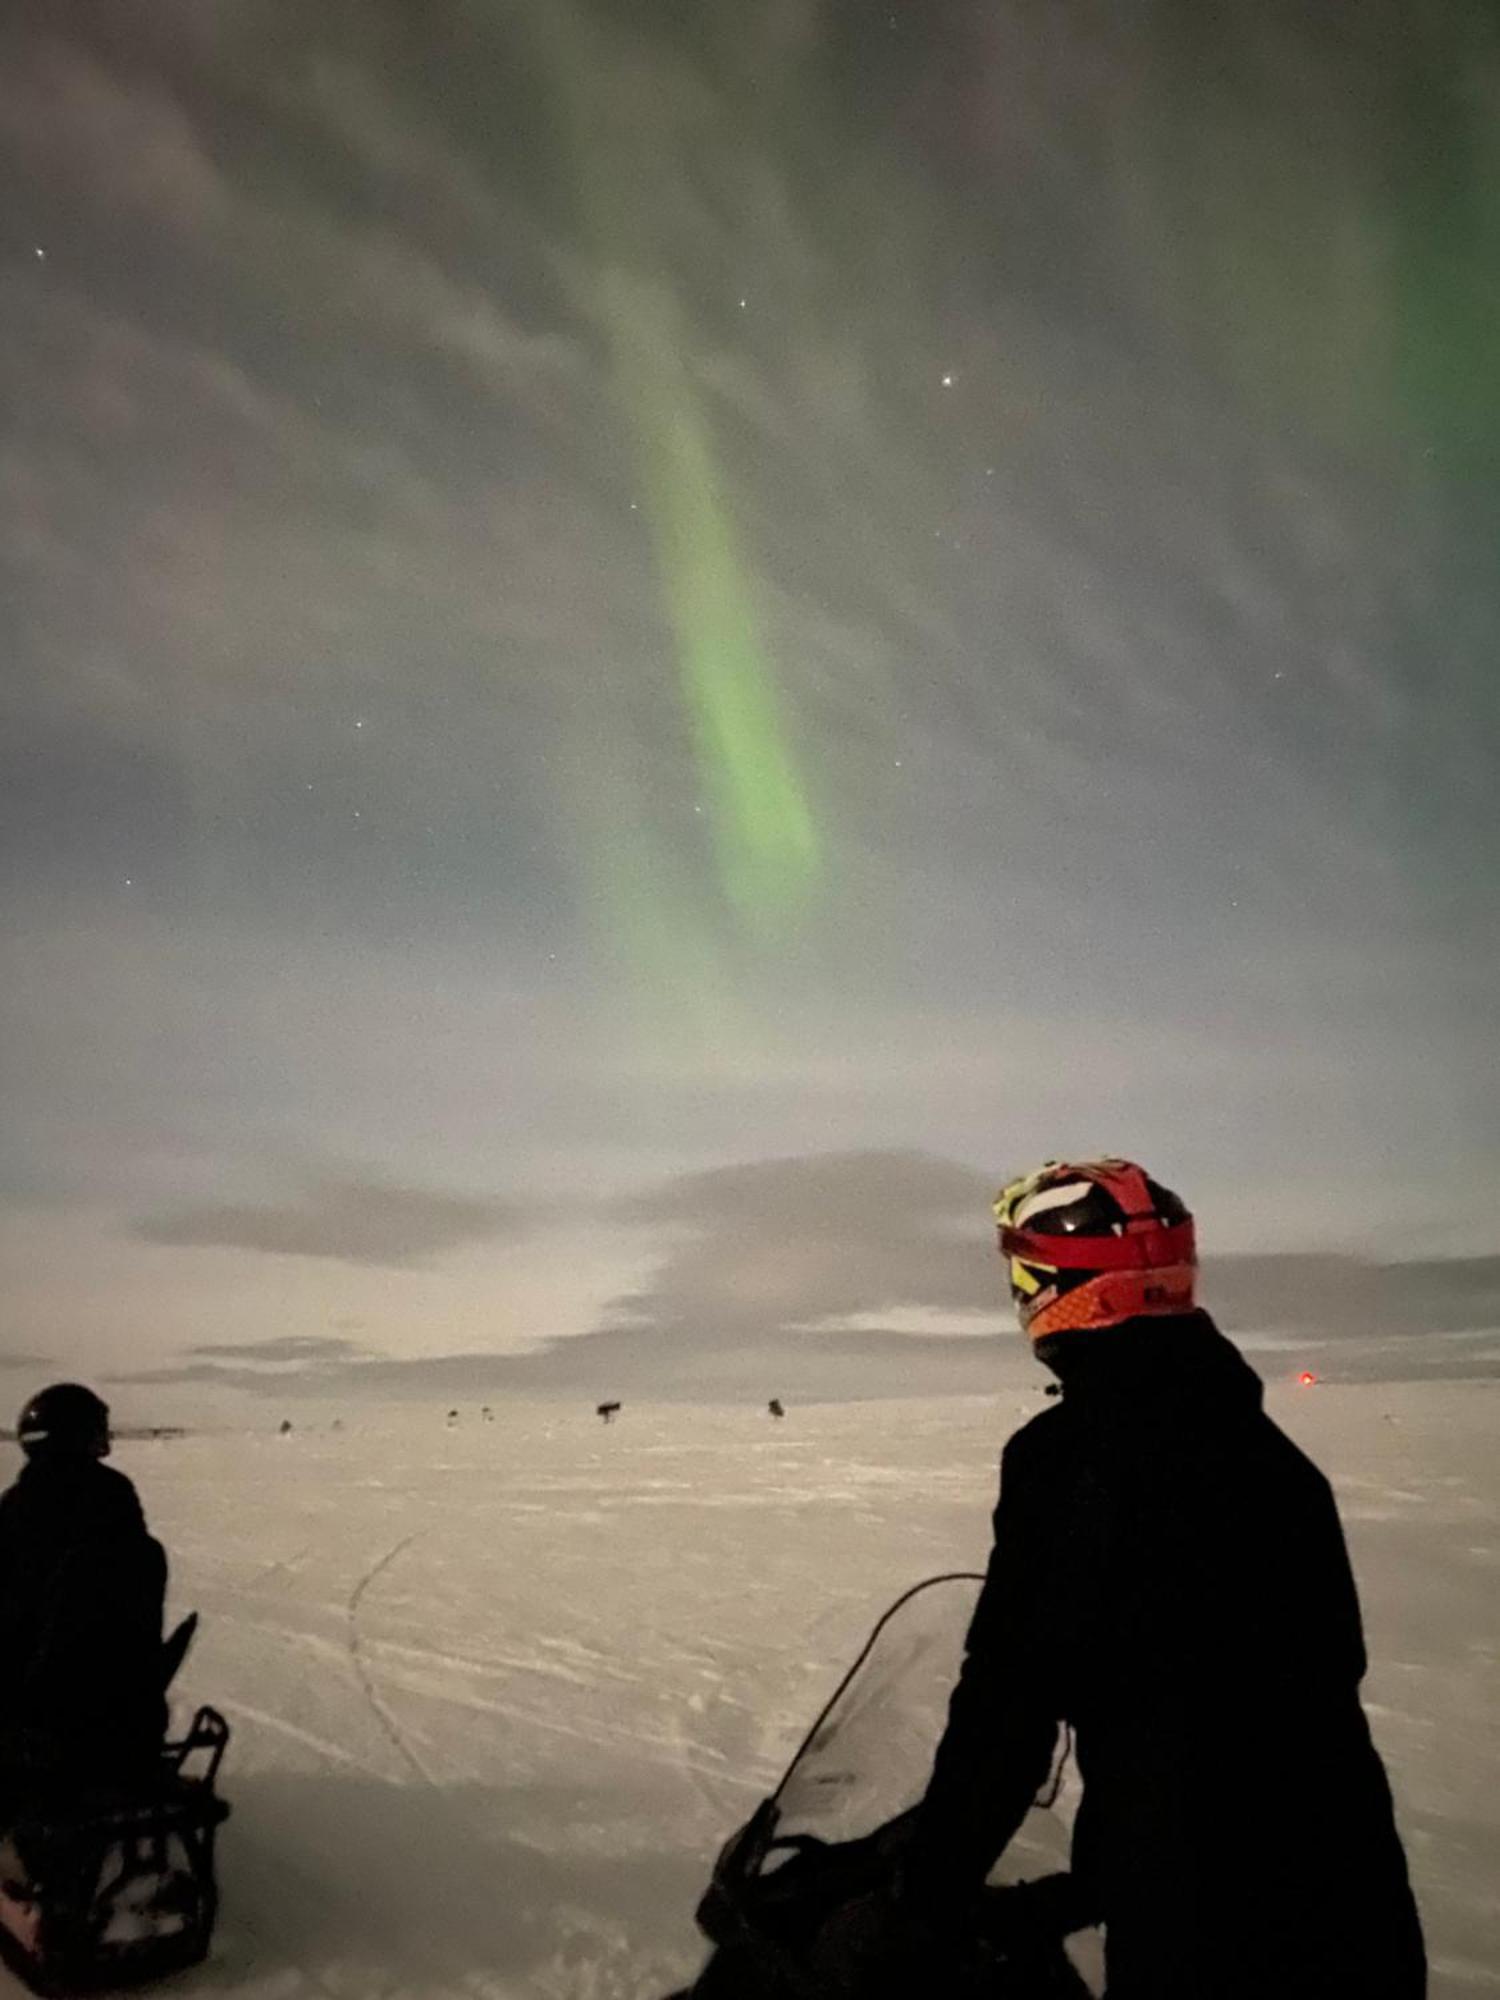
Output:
(104, 1887)
(800, 1903)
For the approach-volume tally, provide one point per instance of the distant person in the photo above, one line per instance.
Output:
(1169, 1578)
(82, 1589)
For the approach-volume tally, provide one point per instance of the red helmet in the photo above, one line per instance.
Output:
(1094, 1242)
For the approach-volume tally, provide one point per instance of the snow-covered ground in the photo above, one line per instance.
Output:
(500, 1690)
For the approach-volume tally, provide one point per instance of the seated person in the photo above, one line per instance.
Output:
(82, 1592)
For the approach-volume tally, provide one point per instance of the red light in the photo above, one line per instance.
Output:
(1307, 1378)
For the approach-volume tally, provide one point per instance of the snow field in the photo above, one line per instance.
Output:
(500, 1691)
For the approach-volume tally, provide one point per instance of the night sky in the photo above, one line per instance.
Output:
(645, 644)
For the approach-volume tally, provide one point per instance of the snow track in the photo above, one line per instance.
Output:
(241, 1711)
(388, 1723)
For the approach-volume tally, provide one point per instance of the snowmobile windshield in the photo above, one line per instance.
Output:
(869, 1755)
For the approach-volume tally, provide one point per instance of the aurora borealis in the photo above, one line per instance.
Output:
(603, 594)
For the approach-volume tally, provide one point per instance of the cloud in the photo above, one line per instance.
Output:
(865, 1274)
(290, 1350)
(353, 1221)
(1353, 1298)
(171, 354)
(338, 622)
(778, 1243)
(779, 1255)
(626, 1361)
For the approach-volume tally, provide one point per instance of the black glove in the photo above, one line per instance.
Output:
(929, 1890)
(1052, 1907)
(883, 1946)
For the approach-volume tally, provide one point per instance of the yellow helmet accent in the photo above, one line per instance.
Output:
(1010, 1197)
(1025, 1279)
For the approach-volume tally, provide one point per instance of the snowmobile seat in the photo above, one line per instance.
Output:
(107, 1885)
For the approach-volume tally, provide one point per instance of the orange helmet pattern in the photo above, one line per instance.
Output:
(1093, 1242)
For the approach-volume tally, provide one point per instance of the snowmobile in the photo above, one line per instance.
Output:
(802, 1902)
(112, 1883)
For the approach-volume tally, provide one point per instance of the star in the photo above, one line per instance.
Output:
(41, 254)
(947, 381)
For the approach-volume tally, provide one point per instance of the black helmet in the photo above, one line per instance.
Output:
(66, 1420)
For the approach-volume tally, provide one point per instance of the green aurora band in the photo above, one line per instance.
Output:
(765, 841)
(761, 821)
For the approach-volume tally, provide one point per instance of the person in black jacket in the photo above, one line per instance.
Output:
(1169, 1580)
(82, 1590)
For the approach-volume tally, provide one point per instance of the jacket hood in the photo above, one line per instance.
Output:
(1178, 1364)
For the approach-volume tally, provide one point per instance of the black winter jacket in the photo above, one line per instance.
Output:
(82, 1589)
(1169, 1577)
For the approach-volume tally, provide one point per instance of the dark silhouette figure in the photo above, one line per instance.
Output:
(285, 1428)
(776, 1407)
(487, 1415)
(82, 1589)
(1169, 1578)
(608, 1411)
(452, 1417)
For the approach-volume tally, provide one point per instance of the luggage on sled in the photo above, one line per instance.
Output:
(108, 1884)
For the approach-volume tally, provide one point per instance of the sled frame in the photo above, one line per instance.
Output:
(69, 1870)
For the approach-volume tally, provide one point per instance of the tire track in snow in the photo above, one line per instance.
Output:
(388, 1723)
(673, 1747)
(264, 1719)
(712, 1783)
